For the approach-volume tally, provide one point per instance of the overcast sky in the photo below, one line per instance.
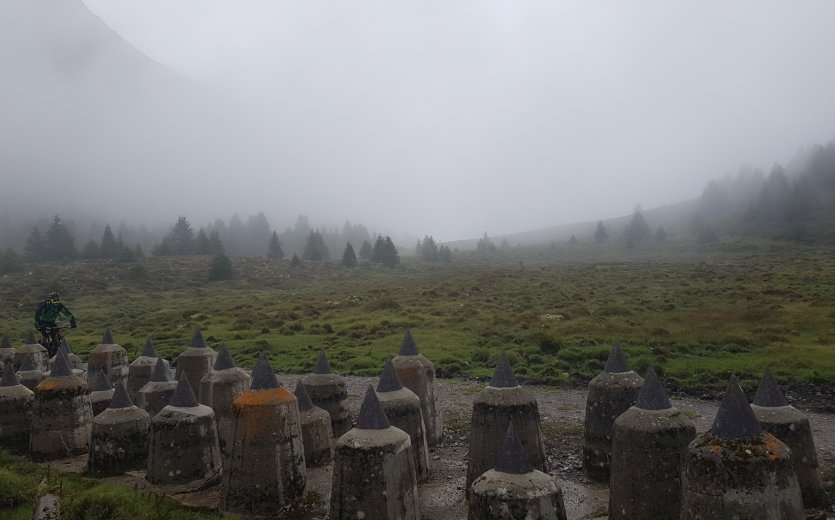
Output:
(457, 117)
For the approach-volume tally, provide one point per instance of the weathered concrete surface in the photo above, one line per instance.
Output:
(101, 391)
(374, 472)
(497, 406)
(749, 478)
(29, 376)
(513, 489)
(7, 353)
(119, 437)
(317, 435)
(15, 412)
(75, 362)
(61, 415)
(505, 496)
(402, 407)
(609, 395)
(266, 462)
(184, 447)
(417, 374)
(109, 357)
(327, 391)
(218, 390)
(141, 368)
(40, 356)
(157, 393)
(792, 427)
(196, 361)
(648, 451)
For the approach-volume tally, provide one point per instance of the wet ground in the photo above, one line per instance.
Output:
(442, 497)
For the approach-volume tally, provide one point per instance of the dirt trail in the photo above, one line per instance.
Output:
(442, 498)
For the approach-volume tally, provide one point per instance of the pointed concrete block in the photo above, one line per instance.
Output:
(649, 444)
(219, 388)
(6, 352)
(101, 391)
(514, 489)
(791, 426)
(156, 393)
(28, 375)
(327, 391)
(75, 362)
(418, 375)
(374, 473)
(109, 357)
(402, 408)
(317, 436)
(736, 470)
(494, 409)
(196, 361)
(140, 370)
(184, 449)
(119, 437)
(15, 412)
(266, 430)
(61, 414)
(40, 356)
(610, 394)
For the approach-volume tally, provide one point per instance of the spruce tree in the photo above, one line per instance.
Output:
(201, 243)
(35, 250)
(220, 268)
(90, 250)
(638, 228)
(215, 244)
(108, 247)
(429, 249)
(366, 250)
(295, 261)
(274, 250)
(315, 249)
(10, 262)
(349, 258)
(600, 234)
(661, 234)
(59, 242)
(181, 237)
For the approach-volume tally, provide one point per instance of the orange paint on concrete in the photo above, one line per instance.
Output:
(259, 410)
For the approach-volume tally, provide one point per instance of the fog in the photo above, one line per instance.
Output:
(437, 117)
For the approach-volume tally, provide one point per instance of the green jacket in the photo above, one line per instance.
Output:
(48, 312)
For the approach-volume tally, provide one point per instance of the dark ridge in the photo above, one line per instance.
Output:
(120, 399)
(389, 381)
(107, 338)
(503, 375)
(149, 351)
(9, 377)
(28, 363)
(160, 374)
(304, 399)
(322, 365)
(183, 396)
(372, 416)
(263, 375)
(61, 367)
(511, 458)
(101, 382)
(652, 395)
(408, 347)
(5, 342)
(197, 340)
(224, 360)
(735, 418)
(30, 338)
(769, 393)
(617, 364)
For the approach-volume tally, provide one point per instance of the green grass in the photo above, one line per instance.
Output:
(81, 498)
(697, 317)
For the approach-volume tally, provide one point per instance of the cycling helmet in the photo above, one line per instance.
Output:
(54, 297)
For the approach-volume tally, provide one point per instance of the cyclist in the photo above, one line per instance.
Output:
(47, 313)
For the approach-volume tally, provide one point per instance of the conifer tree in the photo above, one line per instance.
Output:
(220, 268)
(35, 250)
(366, 250)
(349, 258)
(274, 250)
(315, 249)
(295, 261)
(600, 234)
(58, 241)
(108, 247)
(201, 243)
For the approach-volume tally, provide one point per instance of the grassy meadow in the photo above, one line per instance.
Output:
(697, 316)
